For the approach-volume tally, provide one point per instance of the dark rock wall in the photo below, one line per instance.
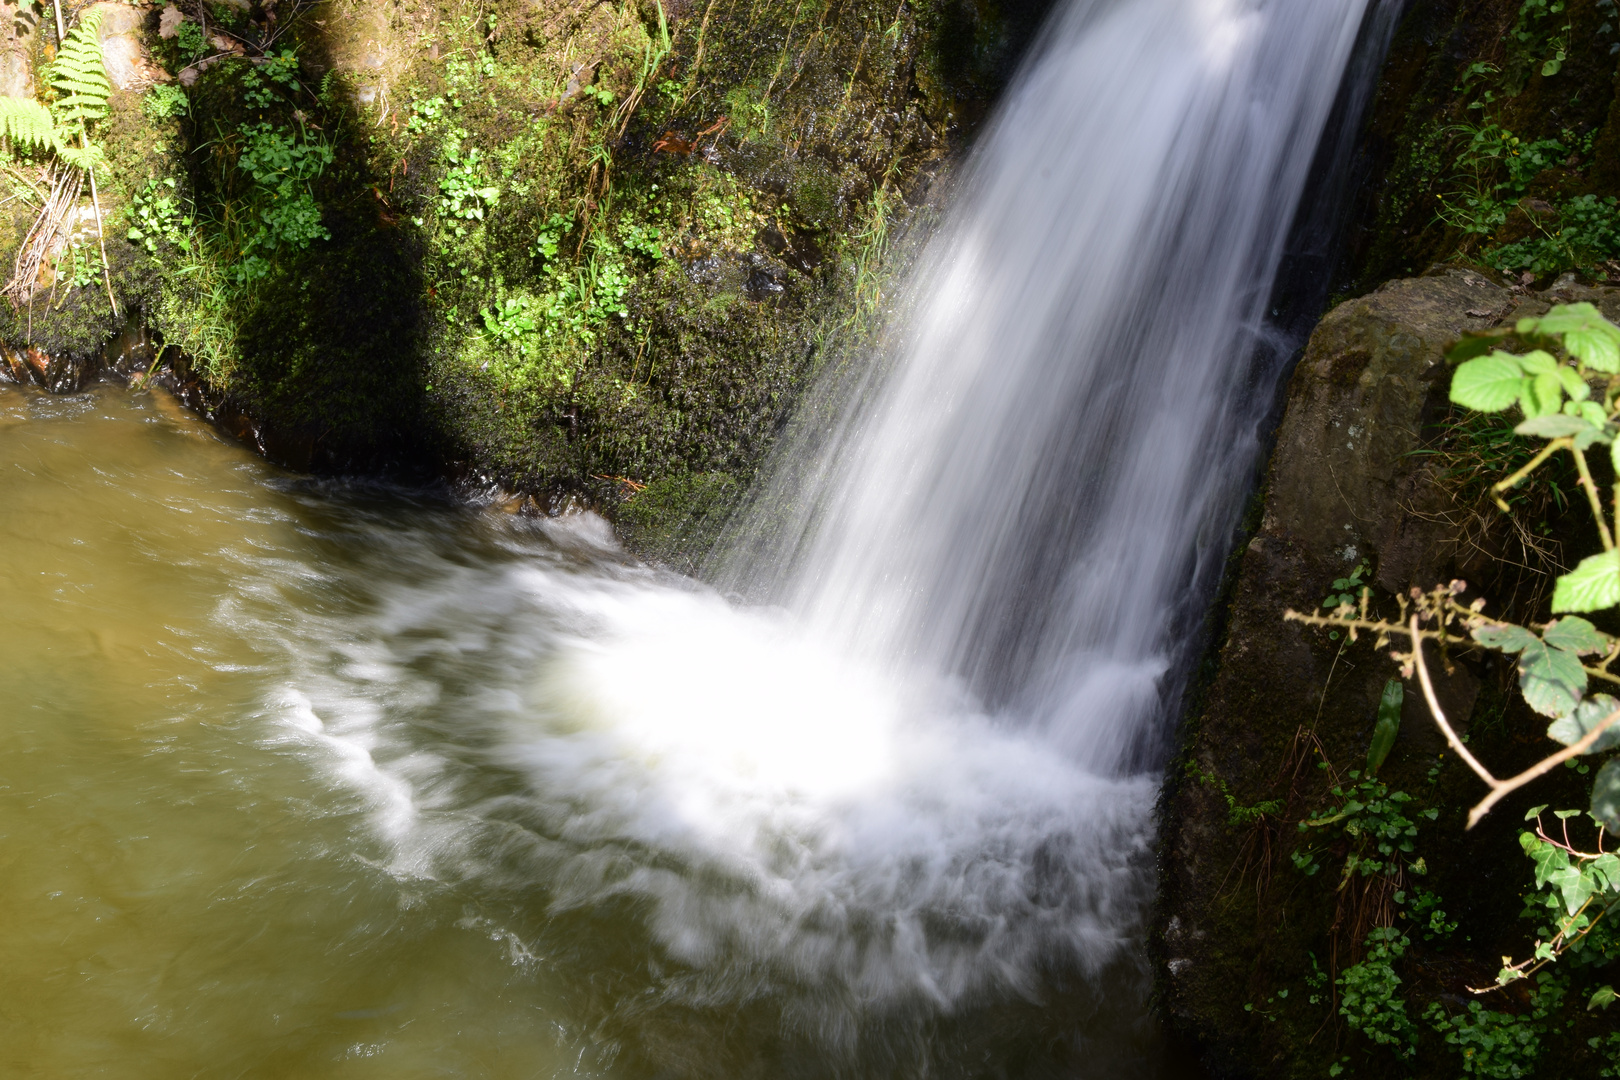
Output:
(1362, 471)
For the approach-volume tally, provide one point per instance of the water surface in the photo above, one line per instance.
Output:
(309, 779)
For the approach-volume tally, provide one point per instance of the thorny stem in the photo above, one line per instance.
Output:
(1542, 767)
(1531, 466)
(1592, 497)
(1500, 789)
(1439, 714)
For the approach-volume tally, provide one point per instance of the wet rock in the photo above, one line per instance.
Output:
(1348, 481)
(129, 66)
(58, 374)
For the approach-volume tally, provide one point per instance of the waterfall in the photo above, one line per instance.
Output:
(1032, 490)
(909, 782)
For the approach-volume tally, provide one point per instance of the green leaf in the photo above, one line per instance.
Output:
(1534, 812)
(1551, 680)
(1538, 362)
(1388, 725)
(1474, 344)
(1606, 796)
(1608, 868)
(1592, 586)
(1576, 886)
(1602, 999)
(1548, 858)
(1489, 383)
(1553, 426)
(1571, 729)
(1574, 385)
(1544, 395)
(1505, 638)
(1576, 635)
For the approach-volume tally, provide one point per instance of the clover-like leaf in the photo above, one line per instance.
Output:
(1571, 729)
(1593, 585)
(1488, 383)
(1606, 796)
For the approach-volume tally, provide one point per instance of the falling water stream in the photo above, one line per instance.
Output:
(311, 779)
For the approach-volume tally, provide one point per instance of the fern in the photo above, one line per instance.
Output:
(80, 77)
(27, 123)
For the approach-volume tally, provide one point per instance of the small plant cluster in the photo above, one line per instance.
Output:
(1493, 169)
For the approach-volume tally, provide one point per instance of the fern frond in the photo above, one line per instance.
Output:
(79, 75)
(27, 123)
(81, 157)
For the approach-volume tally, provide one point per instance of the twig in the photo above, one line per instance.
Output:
(1531, 466)
(1439, 714)
(1592, 497)
(1500, 789)
(101, 239)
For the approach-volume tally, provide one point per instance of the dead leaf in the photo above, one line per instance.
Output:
(671, 143)
(169, 22)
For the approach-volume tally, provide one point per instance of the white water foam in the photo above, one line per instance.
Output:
(771, 805)
(912, 781)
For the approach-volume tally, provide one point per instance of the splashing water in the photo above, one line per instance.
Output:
(918, 778)
(892, 818)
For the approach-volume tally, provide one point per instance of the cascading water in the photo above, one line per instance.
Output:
(1032, 495)
(457, 784)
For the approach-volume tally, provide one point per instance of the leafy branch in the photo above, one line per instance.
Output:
(1573, 347)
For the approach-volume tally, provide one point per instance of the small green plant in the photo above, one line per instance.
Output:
(1373, 822)
(463, 194)
(165, 100)
(513, 321)
(1499, 1045)
(1347, 590)
(190, 42)
(157, 219)
(1586, 234)
(1370, 999)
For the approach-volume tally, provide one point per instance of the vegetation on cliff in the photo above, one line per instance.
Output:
(577, 252)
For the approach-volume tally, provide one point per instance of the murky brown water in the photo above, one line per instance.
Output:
(286, 791)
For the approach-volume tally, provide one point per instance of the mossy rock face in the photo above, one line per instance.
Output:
(1457, 67)
(533, 244)
(1366, 470)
